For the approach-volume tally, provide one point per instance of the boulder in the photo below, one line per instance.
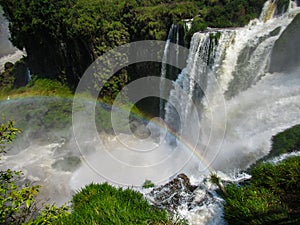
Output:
(174, 193)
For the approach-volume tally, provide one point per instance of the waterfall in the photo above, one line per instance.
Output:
(166, 71)
(28, 75)
(221, 65)
(236, 58)
(192, 80)
(8, 53)
(5, 45)
(268, 10)
(239, 104)
(222, 112)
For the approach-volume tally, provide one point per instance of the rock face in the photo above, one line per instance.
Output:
(63, 59)
(14, 75)
(286, 51)
(174, 193)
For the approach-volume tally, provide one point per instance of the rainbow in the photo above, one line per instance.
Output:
(107, 107)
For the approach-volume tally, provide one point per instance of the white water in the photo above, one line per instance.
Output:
(8, 53)
(231, 130)
(35, 162)
(173, 36)
(243, 106)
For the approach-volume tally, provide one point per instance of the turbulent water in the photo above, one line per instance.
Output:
(230, 109)
(238, 104)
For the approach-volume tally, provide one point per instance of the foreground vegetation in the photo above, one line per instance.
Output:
(18, 199)
(272, 197)
(273, 194)
(104, 204)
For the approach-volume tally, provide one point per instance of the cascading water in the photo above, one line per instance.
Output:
(5, 46)
(192, 81)
(166, 71)
(7, 51)
(236, 58)
(225, 68)
(234, 71)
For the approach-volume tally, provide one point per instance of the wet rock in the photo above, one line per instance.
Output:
(175, 193)
(8, 65)
(139, 129)
(285, 54)
(69, 163)
(197, 204)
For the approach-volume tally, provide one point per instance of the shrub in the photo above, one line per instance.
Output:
(272, 197)
(50, 215)
(148, 184)
(17, 200)
(281, 178)
(247, 205)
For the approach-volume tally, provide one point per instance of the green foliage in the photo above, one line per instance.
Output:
(231, 13)
(247, 205)
(7, 134)
(38, 87)
(148, 184)
(217, 181)
(281, 178)
(6, 79)
(15, 199)
(50, 215)
(63, 37)
(198, 24)
(46, 87)
(154, 21)
(286, 141)
(272, 197)
(104, 204)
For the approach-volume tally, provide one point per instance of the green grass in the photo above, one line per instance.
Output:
(37, 87)
(272, 197)
(104, 204)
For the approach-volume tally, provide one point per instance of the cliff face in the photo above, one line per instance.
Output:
(65, 60)
(286, 51)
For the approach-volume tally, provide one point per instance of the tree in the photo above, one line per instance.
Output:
(15, 199)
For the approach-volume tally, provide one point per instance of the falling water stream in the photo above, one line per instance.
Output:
(8, 53)
(224, 123)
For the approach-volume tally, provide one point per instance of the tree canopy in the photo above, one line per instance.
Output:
(63, 37)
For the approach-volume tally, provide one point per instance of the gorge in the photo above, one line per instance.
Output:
(241, 88)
